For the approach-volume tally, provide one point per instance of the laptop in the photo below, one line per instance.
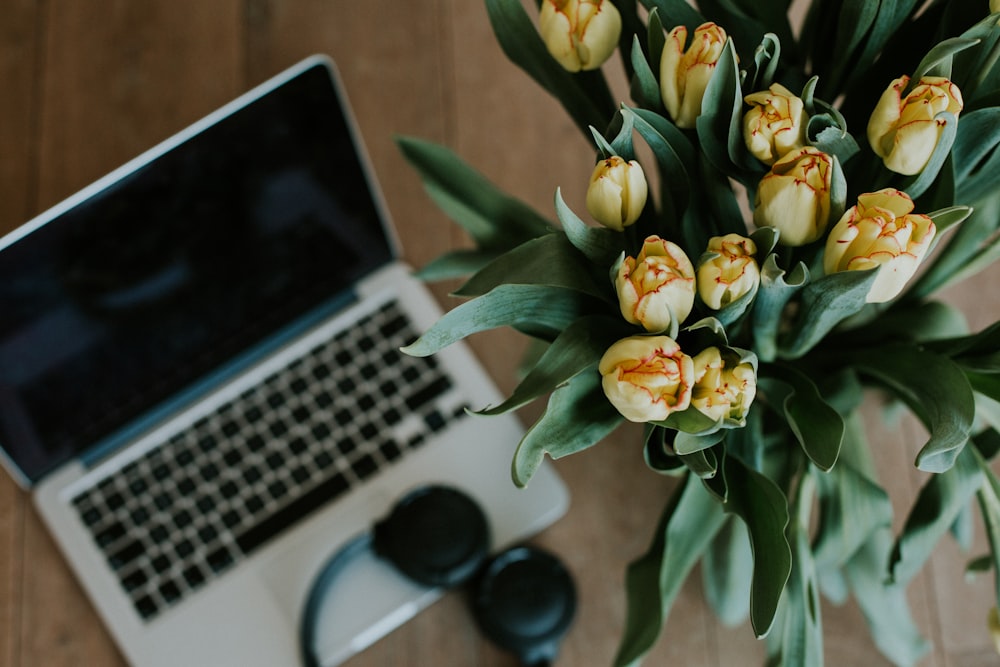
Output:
(201, 385)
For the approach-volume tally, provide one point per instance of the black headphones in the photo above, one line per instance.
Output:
(523, 599)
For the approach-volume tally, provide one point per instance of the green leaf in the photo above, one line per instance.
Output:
(456, 264)
(493, 219)
(917, 185)
(645, 87)
(546, 310)
(658, 455)
(776, 290)
(940, 501)
(973, 247)
(918, 321)
(938, 60)
(674, 13)
(853, 23)
(885, 605)
(801, 630)
(600, 245)
(655, 39)
(689, 443)
(578, 416)
(763, 508)
(687, 526)
(766, 58)
(825, 303)
(946, 218)
(704, 464)
(550, 260)
(827, 130)
(976, 159)
(721, 112)
(937, 391)
(674, 154)
(576, 349)
(691, 421)
(963, 528)
(989, 505)
(817, 426)
(584, 95)
(734, 310)
(727, 569)
(852, 506)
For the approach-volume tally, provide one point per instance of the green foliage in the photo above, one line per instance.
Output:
(748, 487)
(686, 528)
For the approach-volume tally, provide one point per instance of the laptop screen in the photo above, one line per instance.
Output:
(180, 267)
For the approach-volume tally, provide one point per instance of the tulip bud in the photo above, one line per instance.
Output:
(647, 378)
(993, 617)
(684, 74)
(794, 197)
(775, 124)
(904, 131)
(731, 273)
(656, 288)
(617, 192)
(880, 231)
(580, 34)
(722, 390)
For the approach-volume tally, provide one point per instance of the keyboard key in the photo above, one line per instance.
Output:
(184, 549)
(390, 450)
(170, 592)
(146, 606)
(275, 460)
(126, 555)
(425, 395)
(219, 560)
(364, 467)
(194, 577)
(160, 564)
(134, 580)
(91, 516)
(435, 420)
(182, 519)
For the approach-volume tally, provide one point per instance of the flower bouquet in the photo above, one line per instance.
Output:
(772, 213)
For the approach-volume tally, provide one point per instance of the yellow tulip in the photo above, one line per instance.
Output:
(617, 192)
(731, 273)
(722, 390)
(647, 378)
(775, 124)
(580, 34)
(880, 231)
(685, 72)
(993, 618)
(903, 131)
(794, 197)
(656, 288)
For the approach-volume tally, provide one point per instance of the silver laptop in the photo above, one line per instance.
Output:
(201, 384)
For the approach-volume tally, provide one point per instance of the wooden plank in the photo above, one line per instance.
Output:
(117, 78)
(388, 54)
(19, 59)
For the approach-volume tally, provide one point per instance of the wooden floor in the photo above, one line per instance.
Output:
(86, 85)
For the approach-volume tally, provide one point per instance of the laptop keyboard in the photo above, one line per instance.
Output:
(188, 510)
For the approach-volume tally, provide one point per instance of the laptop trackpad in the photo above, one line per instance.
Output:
(367, 599)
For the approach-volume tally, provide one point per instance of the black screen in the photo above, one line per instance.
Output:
(183, 265)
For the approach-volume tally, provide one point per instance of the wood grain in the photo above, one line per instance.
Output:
(87, 86)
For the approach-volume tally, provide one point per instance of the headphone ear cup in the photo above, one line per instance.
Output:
(436, 536)
(525, 601)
